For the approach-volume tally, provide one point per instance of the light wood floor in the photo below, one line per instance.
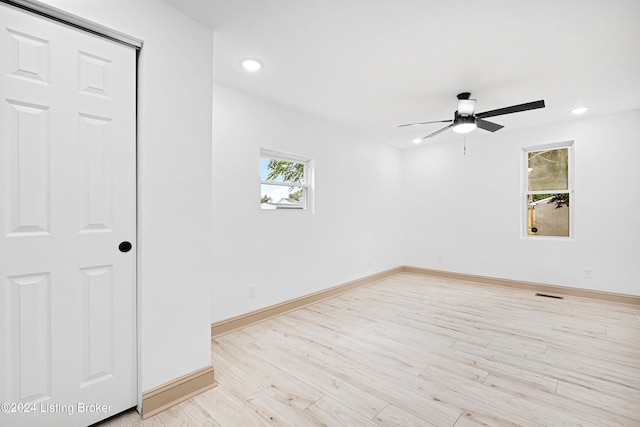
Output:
(418, 351)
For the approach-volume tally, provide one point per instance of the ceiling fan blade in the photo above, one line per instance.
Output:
(466, 106)
(425, 123)
(487, 125)
(438, 131)
(512, 109)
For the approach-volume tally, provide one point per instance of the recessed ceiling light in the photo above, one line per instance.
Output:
(580, 110)
(417, 140)
(251, 65)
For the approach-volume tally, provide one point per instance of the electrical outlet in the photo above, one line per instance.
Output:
(588, 273)
(440, 258)
(252, 291)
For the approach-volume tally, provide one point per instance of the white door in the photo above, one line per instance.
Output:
(68, 199)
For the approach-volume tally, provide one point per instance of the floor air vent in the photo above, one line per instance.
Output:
(549, 296)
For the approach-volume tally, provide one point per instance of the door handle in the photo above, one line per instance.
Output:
(125, 246)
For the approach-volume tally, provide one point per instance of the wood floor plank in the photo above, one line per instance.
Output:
(493, 406)
(604, 400)
(392, 416)
(187, 414)
(560, 403)
(358, 399)
(418, 350)
(396, 387)
(233, 378)
(227, 409)
(335, 413)
(299, 393)
(278, 410)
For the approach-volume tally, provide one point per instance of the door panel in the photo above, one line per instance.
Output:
(67, 188)
(28, 178)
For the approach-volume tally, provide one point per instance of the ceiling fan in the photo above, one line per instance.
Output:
(465, 120)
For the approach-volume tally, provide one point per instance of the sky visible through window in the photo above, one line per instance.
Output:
(264, 170)
(276, 192)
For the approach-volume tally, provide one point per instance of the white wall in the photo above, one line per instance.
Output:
(354, 231)
(174, 149)
(466, 209)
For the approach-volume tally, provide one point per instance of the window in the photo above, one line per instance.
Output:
(548, 190)
(285, 181)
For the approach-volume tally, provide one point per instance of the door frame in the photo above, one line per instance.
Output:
(72, 20)
(69, 19)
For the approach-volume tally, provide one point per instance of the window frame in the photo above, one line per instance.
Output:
(525, 193)
(308, 175)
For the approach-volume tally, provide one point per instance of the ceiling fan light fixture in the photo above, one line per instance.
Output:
(464, 124)
(466, 120)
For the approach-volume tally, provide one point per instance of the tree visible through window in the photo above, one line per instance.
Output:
(548, 192)
(284, 181)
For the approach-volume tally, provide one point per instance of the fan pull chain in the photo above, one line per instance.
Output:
(464, 150)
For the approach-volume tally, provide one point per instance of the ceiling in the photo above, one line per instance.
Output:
(370, 65)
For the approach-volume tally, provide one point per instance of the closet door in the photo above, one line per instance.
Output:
(67, 223)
